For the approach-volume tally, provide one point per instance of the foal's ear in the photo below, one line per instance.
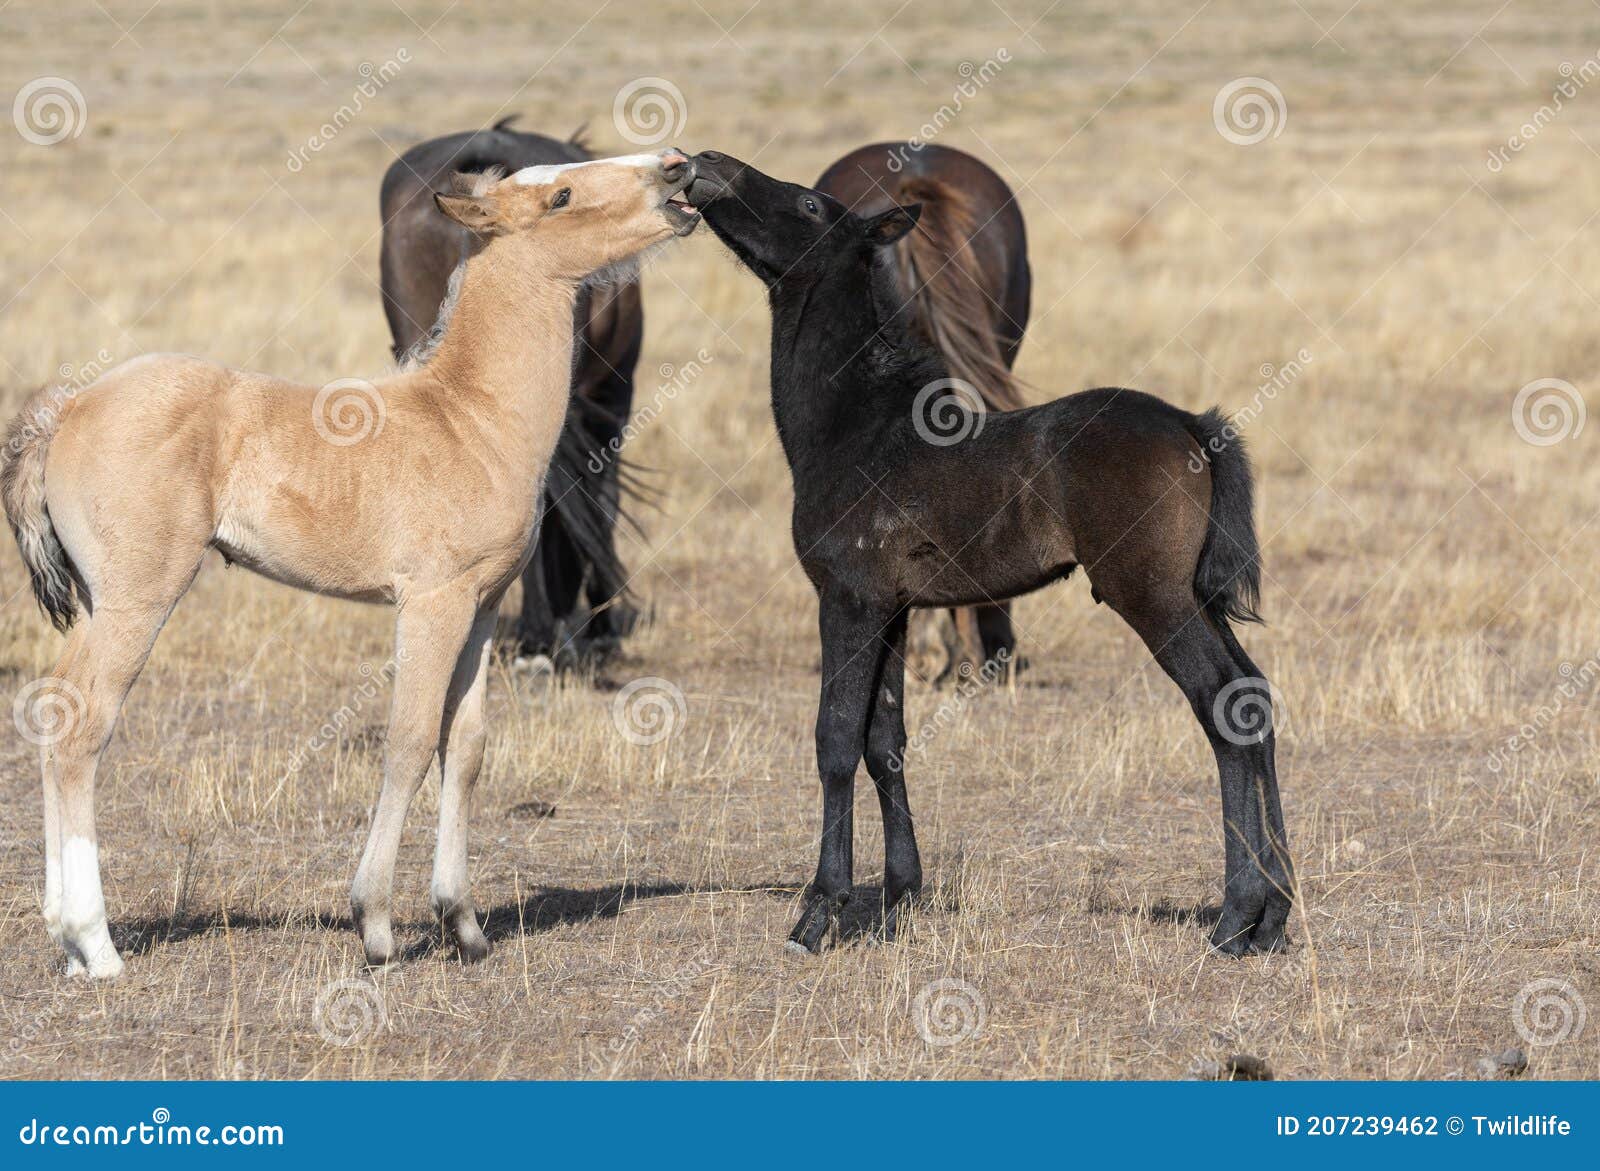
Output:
(889, 226)
(476, 213)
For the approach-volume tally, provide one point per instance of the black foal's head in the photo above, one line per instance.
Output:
(782, 231)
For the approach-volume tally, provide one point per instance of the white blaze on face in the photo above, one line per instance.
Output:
(537, 176)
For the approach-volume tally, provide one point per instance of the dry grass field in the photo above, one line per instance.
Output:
(1371, 284)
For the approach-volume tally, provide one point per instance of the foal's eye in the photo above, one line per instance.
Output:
(811, 206)
(563, 197)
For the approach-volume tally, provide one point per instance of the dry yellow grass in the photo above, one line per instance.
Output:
(1429, 571)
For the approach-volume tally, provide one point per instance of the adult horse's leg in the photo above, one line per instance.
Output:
(997, 637)
(886, 747)
(430, 631)
(536, 626)
(461, 740)
(851, 657)
(1232, 705)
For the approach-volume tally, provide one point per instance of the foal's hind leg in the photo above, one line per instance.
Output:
(95, 675)
(430, 631)
(1269, 933)
(461, 740)
(886, 747)
(851, 656)
(1233, 708)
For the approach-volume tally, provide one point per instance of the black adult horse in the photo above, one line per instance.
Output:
(576, 556)
(964, 276)
(1153, 501)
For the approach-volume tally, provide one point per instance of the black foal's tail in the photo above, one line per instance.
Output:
(1227, 579)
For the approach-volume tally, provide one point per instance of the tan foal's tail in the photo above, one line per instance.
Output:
(22, 487)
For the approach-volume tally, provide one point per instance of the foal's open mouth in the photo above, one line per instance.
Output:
(682, 214)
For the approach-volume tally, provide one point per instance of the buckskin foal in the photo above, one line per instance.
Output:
(115, 499)
(1153, 501)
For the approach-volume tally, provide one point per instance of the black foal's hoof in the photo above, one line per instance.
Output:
(817, 922)
(895, 909)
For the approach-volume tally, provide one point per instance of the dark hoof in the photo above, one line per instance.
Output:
(817, 922)
(378, 957)
(1269, 939)
(895, 910)
(1231, 940)
(473, 951)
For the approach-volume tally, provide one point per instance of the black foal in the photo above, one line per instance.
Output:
(892, 512)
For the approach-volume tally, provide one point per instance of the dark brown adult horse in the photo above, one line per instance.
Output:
(576, 556)
(964, 275)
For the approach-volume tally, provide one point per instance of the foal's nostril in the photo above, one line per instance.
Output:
(710, 156)
(674, 164)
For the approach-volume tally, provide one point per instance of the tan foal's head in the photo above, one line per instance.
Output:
(583, 217)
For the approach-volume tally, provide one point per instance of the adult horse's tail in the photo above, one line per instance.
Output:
(1227, 580)
(947, 283)
(22, 489)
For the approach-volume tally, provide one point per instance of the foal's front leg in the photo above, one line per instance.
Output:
(851, 658)
(886, 750)
(430, 631)
(461, 740)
